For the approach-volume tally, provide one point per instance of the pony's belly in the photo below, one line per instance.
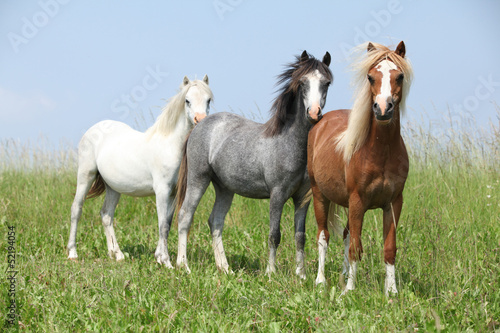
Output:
(337, 193)
(332, 185)
(130, 185)
(126, 175)
(250, 188)
(136, 191)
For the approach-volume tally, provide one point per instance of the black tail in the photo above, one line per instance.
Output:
(98, 187)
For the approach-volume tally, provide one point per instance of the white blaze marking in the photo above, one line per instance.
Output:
(314, 97)
(385, 68)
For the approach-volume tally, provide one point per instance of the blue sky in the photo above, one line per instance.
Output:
(67, 64)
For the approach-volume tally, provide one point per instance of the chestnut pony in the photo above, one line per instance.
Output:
(357, 159)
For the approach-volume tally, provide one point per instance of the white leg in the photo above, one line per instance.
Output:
(390, 280)
(322, 247)
(220, 255)
(76, 213)
(345, 266)
(223, 200)
(181, 255)
(353, 267)
(107, 214)
(300, 234)
(165, 205)
(300, 271)
(84, 182)
(271, 265)
(185, 218)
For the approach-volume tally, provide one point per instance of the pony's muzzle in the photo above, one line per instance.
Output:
(199, 117)
(384, 111)
(314, 114)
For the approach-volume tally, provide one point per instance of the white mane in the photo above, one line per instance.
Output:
(169, 117)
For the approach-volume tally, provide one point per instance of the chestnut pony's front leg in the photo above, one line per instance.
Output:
(356, 214)
(391, 218)
(321, 207)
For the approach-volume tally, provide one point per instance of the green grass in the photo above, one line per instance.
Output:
(447, 267)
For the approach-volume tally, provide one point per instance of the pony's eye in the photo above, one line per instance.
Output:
(371, 79)
(400, 78)
(188, 103)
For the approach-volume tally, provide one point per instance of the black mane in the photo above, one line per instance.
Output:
(290, 82)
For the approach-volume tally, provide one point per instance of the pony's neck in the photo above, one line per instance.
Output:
(181, 129)
(298, 121)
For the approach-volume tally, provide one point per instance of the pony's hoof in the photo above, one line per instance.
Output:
(118, 256)
(166, 263)
(300, 273)
(225, 270)
(347, 289)
(72, 254)
(270, 270)
(184, 265)
(391, 291)
(320, 279)
(164, 259)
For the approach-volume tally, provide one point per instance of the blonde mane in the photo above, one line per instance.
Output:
(169, 117)
(358, 125)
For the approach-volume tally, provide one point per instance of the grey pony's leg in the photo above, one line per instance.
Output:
(300, 233)
(223, 200)
(165, 207)
(107, 214)
(194, 192)
(278, 199)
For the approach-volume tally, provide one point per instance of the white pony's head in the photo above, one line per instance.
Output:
(197, 99)
(193, 100)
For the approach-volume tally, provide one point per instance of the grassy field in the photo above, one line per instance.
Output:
(447, 269)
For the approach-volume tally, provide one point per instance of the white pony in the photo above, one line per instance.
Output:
(115, 158)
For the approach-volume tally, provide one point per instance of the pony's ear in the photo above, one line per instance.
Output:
(304, 56)
(401, 49)
(370, 47)
(205, 79)
(185, 81)
(327, 58)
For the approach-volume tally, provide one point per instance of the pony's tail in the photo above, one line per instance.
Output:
(306, 198)
(98, 187)
(182, 178)
(333, 217)
(334, 221)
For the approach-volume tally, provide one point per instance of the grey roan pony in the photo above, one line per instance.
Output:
(256, 160)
